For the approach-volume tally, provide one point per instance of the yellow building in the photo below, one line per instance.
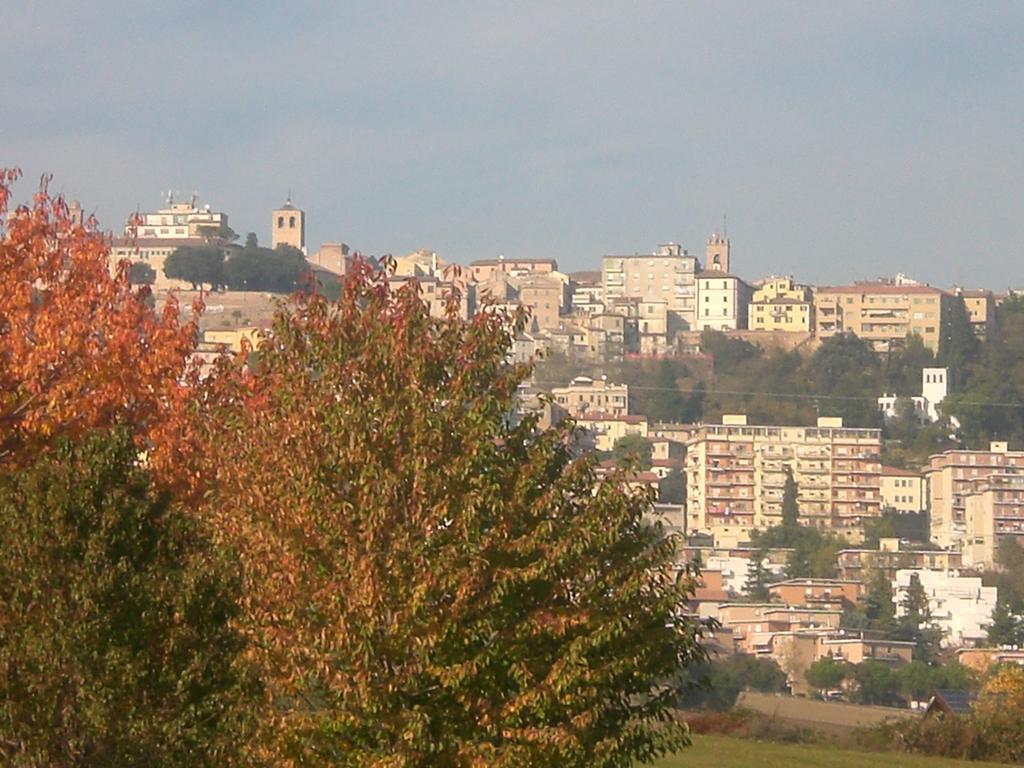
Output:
(902, 490)
(951, 478)
(736, 474)
(981, 309)
(781, 305)
(993, 512)
(587, 395)
(883, 313)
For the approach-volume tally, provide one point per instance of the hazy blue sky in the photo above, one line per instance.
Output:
(842, 144)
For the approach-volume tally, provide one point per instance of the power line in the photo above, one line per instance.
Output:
(803, 396)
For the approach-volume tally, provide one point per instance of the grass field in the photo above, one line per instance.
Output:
(728, 752)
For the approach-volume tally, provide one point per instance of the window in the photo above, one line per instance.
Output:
(280, 222)
(291, 222)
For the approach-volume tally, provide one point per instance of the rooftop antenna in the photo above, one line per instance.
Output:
(725, 227)
(192, 202)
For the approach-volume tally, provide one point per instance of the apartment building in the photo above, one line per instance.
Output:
(882, 313)
(483, 270)
(993, 511)
(587, 395)
(960, 605)
(779, 304)
(950, 477)
(736, 473)
(667, 275)
(902, 490)
(151, 237)
(795, 651)
(722, 301)
(606, 430)
(435, 292)
(754, 624)
(981, 309)
(861, 564)
(830, 594)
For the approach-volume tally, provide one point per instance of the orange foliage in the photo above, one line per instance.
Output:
(79, 347)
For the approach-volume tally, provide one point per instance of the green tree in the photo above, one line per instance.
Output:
(198, 265)
(756, 586)
(879, 608)
(426, 582)
(915, 623)
(251, 242)
(826, 673)
(140, 273)
(877, 683)
(275, 270)
(790, 501)
(958, 344)
(672, 488)
(116, 646)
(631, 449)
(667, 402)
(1006, 627)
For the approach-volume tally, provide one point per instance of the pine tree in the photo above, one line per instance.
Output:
(790, 501)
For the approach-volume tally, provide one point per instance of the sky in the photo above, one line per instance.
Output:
(836, 141)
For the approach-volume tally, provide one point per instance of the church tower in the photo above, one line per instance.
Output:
(288, 226)
(717, 254)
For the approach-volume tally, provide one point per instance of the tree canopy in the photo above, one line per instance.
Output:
(425, 582)
(197, 264)
(115, 640)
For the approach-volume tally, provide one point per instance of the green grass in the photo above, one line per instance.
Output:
(729, 752)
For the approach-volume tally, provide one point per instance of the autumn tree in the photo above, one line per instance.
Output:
(115, 640)
(427, 581)
(79, 346)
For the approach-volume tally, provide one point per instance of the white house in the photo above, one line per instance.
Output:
(934, 388)
(960, 605)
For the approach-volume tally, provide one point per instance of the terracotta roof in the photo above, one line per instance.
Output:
(897, 472)
(495, 262)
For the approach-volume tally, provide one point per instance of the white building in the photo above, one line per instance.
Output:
(722, 301)
(960, 605)
(151, 237)
(934, 388)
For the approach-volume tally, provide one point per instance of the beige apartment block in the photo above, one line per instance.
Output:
(795, 651)
(993, 512)
(950, 479)
(981, 309)
(540, 293)
(483, 270)
(860, 564)
(667, 275)
(882, 313)
(736, 473)
(829, 594)
(722, 301)
(605, 429)
(902, 490)
(779, 304)
(587, 395)
(754, 624)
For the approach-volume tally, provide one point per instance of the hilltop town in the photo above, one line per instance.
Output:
(909, 512)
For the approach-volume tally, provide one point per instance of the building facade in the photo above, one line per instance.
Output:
(902, 490)
(587, 395)
(951, 476)
(722, 301)
(779, 304)
(667, 275)
(960, 605)
(993, 512)
(736, 473)
(882, 313)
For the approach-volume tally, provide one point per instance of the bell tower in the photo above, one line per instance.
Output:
(288, 226)
(717, 254)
